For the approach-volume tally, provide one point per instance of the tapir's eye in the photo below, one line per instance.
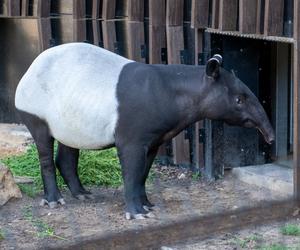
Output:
(240, 99)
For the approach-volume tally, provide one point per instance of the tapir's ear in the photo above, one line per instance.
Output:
(213, 66)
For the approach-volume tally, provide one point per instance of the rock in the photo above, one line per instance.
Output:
(8, 187)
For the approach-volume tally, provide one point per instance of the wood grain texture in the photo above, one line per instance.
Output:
(215, 14)
(44, 29)
(248, 16)
(24, 7)
(228, 15)
(13, 7)
(157, 41)
(135, 10)
(79, 30)
(108, 9)
(109, 35)
(135, 39)
(96, 9)
(43, 8)
(157, 12)
(273, 22)
(78, 9)
(200, 12)
(174, 12)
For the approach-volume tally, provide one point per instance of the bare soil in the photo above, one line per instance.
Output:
(174, 191)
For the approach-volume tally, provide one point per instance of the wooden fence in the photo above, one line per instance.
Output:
(161, 31)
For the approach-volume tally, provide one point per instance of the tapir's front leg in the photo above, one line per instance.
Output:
(133, 162)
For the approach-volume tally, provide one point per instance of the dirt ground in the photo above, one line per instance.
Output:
(174, 191)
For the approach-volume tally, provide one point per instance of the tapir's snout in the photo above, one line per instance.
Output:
(268, 132)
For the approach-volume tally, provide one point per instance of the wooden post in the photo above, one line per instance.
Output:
(248, 16)
(200, 12)
(228, 14)
(24, 8)
(44, 29)
(96, 9)
(273, 23)
(135, 10)
(43, 8)
(109, 34)
(296, 102)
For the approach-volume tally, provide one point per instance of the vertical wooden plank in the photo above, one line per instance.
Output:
(174, 12)
(258, 14)
(135, 10)
(200, 12)
(78, 9)
(96, 9)
(296, 101)
(97, 32)
(44, 29)
(157, 30)
(228, 15)
(109, 35)
(43, 8)
(24, 8)
(273, 21)
(157, 12)
(247, 16)
(157, 42)
(108, 9)
(13, 8)
(79, 24)
(215, 14)
(135, 39)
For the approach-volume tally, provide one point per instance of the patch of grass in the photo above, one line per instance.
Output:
(2, 237)
(290, 229)
(100, 168)
(43, 230)
(196, 176)
(250, 240)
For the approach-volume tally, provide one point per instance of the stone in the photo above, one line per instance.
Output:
(8, 187)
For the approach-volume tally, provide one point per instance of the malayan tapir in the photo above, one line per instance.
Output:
(86, 97)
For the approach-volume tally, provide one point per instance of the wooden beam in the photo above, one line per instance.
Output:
(296, 100)
(228, 15)
(200, 12)
(108, 9)
(97, 32)
(273, 21)
(79, 30)
(248, 16)
(135, 10)
(175, 12)
(157, 42)
(258, 15)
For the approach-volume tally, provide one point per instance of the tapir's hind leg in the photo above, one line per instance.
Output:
(44, 142)
(67, 162)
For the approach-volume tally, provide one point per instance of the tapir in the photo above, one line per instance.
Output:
(86, 97)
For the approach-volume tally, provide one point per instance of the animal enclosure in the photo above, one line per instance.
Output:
(258, 39)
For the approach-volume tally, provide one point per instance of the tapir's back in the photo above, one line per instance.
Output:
(73, 88)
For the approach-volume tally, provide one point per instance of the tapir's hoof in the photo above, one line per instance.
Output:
(83, 197)
(148, 209)
(52, 204)
(130, 216)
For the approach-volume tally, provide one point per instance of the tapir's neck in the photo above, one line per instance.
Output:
(186, 85)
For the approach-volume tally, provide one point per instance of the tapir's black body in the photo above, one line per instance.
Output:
(156, 102)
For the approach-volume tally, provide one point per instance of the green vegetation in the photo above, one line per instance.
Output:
(196, 176)
(42, 229)
(1, 235)
(100, 168)
(250, 240)
(290, 229)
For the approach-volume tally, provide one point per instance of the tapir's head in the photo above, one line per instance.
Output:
(230, 100)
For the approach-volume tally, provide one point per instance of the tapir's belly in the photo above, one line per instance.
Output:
(73, 88)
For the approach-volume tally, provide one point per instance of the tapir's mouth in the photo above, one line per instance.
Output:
(269, 137)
